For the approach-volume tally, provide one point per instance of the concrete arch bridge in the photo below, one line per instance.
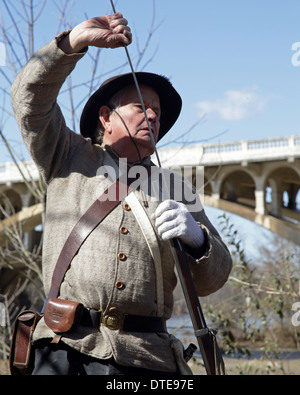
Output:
(255, 179)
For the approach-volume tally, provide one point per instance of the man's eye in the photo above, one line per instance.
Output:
(139, 107)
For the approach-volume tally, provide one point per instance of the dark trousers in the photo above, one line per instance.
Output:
(60, 359)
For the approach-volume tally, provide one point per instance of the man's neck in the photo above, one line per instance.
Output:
(144, 162)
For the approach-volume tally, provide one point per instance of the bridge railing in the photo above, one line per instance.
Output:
(269, 148)
(264, 144)
(276, 148)
(9, 172)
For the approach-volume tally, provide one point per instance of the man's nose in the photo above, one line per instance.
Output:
(151, 114)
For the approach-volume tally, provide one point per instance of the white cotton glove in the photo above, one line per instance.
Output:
(173, 220)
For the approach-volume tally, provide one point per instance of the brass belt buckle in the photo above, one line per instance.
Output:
(113, 320)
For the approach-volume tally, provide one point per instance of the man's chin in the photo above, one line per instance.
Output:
(146, 148)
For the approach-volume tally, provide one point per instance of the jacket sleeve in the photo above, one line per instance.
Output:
(34, 100)
(211, 268)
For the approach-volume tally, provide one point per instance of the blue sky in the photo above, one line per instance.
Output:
(230, 60)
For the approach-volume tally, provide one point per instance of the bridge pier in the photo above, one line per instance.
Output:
(260, 207)
(292, 192)
(276, 198)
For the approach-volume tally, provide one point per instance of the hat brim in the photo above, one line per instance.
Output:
(170, 100)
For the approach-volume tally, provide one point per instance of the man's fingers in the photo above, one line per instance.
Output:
(116, 22)
(165, 217)
(119, 40)
(165, 206)
(121, 29)
(168, 230)
(121, 33)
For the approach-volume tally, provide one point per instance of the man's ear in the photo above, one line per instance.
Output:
(104, 117)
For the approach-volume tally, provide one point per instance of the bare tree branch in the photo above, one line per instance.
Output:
(153, 29)
(16, 29)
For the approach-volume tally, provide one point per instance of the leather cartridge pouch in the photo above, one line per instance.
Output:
(21, 358)
(62, 315)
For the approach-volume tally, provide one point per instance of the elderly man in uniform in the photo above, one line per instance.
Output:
(114, 271)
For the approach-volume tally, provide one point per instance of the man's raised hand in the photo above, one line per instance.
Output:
(110, 31)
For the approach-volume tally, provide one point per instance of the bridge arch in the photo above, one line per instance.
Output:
(282, 185)
(10, 202)
(238, 186)
(18, 205)
(207, 187)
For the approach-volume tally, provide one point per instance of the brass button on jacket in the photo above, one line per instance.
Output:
(119, 285)
(122, 256)
(126, 207)
(123, 230)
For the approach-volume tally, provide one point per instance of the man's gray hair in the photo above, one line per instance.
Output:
(113, 104)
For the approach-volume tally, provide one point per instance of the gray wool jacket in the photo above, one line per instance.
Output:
(69, 164)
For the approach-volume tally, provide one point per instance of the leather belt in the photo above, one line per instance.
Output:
(114, 320)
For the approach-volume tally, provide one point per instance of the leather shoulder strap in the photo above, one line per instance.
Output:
(87, 223)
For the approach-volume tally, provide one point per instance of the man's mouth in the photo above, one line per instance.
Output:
(147, 129)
